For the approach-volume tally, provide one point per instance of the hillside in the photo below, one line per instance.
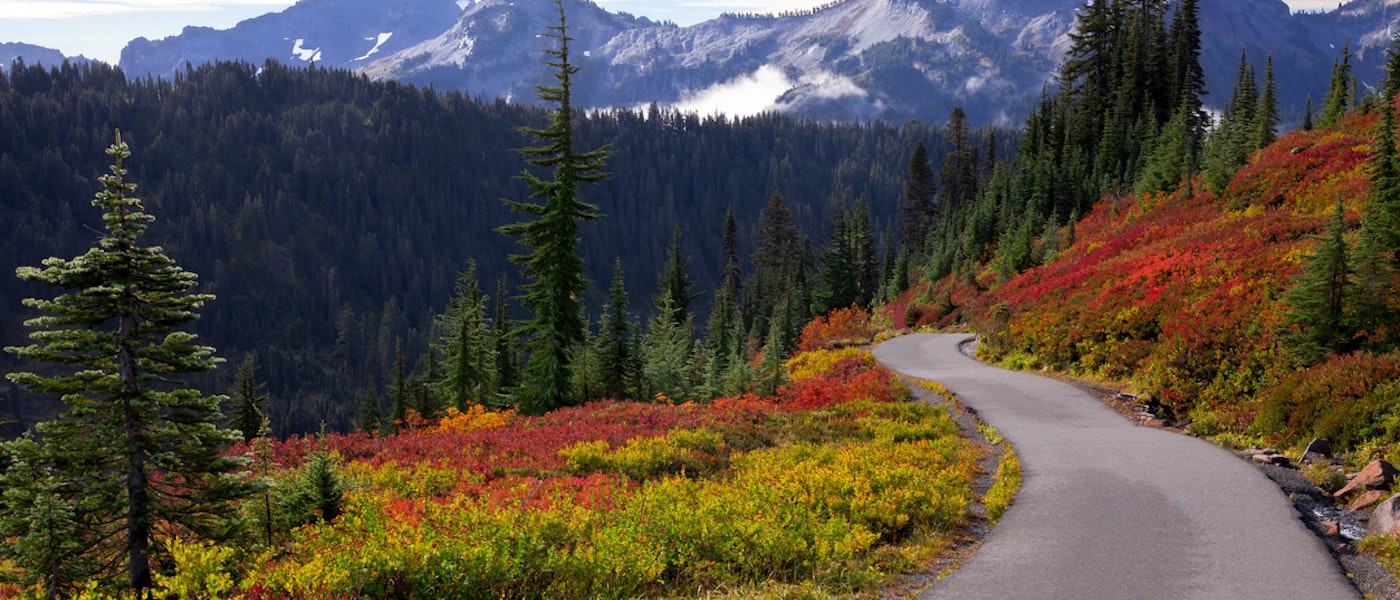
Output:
(331, 214)
(1179, 295)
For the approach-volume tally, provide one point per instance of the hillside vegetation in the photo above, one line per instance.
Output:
(1182, 295)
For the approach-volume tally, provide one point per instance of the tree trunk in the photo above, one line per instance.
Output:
(138, 502)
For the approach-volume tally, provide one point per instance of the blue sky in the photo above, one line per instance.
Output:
(100, 28)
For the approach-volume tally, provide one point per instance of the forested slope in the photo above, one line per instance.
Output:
(331, 215)
(1200, 299)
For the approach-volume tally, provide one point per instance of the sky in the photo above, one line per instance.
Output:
(100, 28)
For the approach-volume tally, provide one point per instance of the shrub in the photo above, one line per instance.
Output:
(840, 327)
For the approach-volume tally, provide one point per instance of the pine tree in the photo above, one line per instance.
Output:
(1316, 304)
(615, 342)
(1266, 116)
(918, 211)
(507, 359)
(399, 396)
(1381, 215)
(249, 399)
(771, 375)
(675, 282)
(553, 268)
(1307, 123)
(587, 374)
(667, 366)
(840, 277)
(370, 416)
(778, 262)
(862, 234)
(958, 178)
(136, 447)
(467, 348)
(1188, 80)
(1338, 98)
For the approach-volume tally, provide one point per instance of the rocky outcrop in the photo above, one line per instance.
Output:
(1375, 476)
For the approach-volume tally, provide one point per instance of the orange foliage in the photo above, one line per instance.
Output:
(840, 327)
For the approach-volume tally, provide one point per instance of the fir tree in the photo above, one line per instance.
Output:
(1307, 123)
(918, 211)
(667, 366)
(1266, 117)
(1339, 90)
(553, 268)
(399, 396)
(770, 375)
(778, 262)
(958, 178)
(840, 276)
(1381, 216)
(370, 416)
(136, 447)
(587, 374)
(1316, 304)
(249, 400)
(675, 282)
(467, 348)
(507, 359)
(615, 342)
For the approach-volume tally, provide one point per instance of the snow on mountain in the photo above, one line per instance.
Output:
(853, 59)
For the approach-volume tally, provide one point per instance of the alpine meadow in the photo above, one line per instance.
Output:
(324, 335)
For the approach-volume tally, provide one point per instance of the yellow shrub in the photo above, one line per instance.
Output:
(817, 362)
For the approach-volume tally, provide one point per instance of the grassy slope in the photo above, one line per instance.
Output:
(1177, 294)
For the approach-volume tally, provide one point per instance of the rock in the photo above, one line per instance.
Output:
(1311, 457)
(1330, 528)
(1319, 446)
(1367, 499)
(1267, 456)
(1384, 518)
(1376, 476)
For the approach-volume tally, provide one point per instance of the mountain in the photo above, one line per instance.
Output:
(333, 33)
(892, 60)
(31, 54)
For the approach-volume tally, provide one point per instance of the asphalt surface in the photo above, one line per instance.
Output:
(1108, 509)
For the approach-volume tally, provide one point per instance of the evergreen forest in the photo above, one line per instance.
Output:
(331, 215)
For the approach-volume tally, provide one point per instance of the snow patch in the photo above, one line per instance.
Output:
(378, 41)
(588, 53)
(306, 54)
(463, 4)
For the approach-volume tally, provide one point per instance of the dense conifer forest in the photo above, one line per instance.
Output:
(331, 215)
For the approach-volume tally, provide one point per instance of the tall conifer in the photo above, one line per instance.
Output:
(136, 447)
(553, 269)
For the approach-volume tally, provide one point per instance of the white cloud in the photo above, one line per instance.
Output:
(67, 9)
(742, 96)
(761, 91)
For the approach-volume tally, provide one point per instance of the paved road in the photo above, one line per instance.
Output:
(1112, 510)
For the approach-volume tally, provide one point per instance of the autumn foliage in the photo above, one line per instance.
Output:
(816, 485)
(1179, 294)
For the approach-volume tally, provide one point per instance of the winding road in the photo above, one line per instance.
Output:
(1108, 509)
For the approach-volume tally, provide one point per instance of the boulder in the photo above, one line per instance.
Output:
(1368, 499)
(1376, 476)
(1386, 516)
(1319, 446)
(1330, 528)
